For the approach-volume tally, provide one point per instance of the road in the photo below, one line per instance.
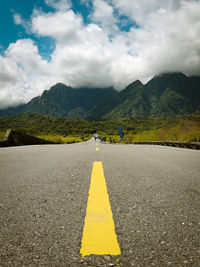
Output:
(154, 195)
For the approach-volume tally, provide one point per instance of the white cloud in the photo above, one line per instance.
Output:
(102, 11)
(59, 4)
(18, 20)
(63, 26)
(169, 41)
(99, 54)
(140, 10)
(23, 73)
(103, 14)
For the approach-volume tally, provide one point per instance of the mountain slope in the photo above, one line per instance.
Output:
(173, 94)
(163, 96)
(64, 101)
(130, 101)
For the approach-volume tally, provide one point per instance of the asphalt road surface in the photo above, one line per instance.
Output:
(154, 193)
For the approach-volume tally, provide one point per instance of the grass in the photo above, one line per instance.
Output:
(60, 139)
(65, 139)
(2, 134)
(184, 131)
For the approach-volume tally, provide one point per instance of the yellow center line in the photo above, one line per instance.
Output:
(99, 237)
(97, 149)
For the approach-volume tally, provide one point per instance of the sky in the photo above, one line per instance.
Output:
(93, 43)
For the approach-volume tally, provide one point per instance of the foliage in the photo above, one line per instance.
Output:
(65, 139)
(65, 130)
(2, 134)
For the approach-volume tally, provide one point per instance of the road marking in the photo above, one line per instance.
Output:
(99, 237)
(97, 149)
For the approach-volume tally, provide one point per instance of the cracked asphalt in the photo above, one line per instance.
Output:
(154, 194)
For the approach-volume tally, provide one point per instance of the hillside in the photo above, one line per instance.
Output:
(130, 101)
(179, 128)
(163, 96)
(64, 101)
(172, 94)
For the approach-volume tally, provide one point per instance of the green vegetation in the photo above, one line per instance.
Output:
(184, 131)
(66, 130)
(2, 134)
(65, 139)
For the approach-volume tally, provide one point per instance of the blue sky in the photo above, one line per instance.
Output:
(10, 32)
(94, 43)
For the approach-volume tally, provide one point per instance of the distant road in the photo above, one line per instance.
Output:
(154, 194)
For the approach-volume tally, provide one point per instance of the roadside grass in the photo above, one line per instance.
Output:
(60, 139)
(184, 131)
(181, 133)
(2, 135)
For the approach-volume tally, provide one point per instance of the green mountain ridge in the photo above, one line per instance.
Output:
(165, 95)
(63, 101)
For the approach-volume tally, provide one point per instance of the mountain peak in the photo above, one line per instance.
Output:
(134, 85)
(59, 85)
(170, 75)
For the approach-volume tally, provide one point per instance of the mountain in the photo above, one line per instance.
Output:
(64, 101)
(132, 101)
(163, 96)
(171, 94)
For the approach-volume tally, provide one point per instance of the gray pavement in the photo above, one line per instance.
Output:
(154, 194)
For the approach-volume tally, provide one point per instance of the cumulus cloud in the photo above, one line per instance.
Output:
(99, 53)
(142, 10)
(59, 4)
(22, 73)
(63, 26)
(168, 41)
(102, 11)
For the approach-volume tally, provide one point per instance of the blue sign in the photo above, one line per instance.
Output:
(121, 133)
(120, 129)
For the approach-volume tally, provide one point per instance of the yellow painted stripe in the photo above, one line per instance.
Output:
(97, 149)
(99, 237)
